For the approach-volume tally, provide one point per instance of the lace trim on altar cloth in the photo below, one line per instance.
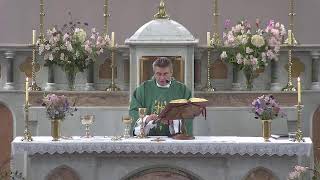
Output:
(200, 145)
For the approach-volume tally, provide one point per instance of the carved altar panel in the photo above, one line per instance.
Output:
(64, 173)
(146, 71)
(260, 173)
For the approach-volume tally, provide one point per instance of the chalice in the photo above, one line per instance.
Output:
(142, 113)
(87, 120)
(127, 120)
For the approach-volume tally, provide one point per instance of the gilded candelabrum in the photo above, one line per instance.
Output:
(142, 113)
(216, 41)
(26, 134)
(209, 86)
(42, 14)
(289, 86)
(34, 86)
(290, 42)
(106, 15)
(299, 134)
(113, 86)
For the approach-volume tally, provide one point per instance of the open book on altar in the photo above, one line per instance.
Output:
(184, 109)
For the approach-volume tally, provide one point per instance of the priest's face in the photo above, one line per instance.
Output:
(162, 75)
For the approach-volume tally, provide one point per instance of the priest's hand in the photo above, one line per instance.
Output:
(151, 117)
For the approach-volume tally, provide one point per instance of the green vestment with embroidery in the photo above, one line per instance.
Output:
(154, 98)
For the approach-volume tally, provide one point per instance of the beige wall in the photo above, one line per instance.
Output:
(19, 17)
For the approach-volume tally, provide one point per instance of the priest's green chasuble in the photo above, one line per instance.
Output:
(154, 98)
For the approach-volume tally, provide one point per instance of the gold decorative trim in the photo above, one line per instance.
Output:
(161, 14)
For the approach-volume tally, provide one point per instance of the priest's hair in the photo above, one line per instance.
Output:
(162, 62)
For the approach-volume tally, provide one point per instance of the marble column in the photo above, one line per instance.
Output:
(90, 78)
(235, 79)
(275, 74)
(51, 85)
(315, 85)
(9, 55)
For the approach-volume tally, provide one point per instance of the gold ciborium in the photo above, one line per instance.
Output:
(87, 120)
(142, 113)
(126, 120)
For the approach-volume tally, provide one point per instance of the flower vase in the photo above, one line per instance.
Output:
(71, 77)
(266, 129)
(249, 75)
(55, 129)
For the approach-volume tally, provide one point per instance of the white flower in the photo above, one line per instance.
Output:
(249, 50)
(65, 36)
(80, 34)
(223, 55)
(88, 48)
(69, 46)
(50, 57)
(257, 41)
(47, 47)
(41, 49)
(239, 58)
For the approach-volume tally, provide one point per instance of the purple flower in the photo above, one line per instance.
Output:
(227, 24)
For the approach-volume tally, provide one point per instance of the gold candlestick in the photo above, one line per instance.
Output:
(208, 87)
(216, 37)
(289, 86)
(106, 15)
(113, 86)
(26, 134)
(42, 14)
(34, 86)
(290, 42)
(299, 134)
(142, 113)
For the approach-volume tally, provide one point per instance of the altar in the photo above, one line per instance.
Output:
(204, 158)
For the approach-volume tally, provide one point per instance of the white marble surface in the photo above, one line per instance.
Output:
(201, 144)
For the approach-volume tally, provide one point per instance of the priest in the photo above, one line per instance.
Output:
(154, 94)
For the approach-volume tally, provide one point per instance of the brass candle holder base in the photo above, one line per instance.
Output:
(27, 136)
(113, 87)
(208, 88)
(299, 134)
(35, 87)
(289, 87)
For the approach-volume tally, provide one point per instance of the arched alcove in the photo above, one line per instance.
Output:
(161, 173)
(62, 172)
(6, 135)
(260, 173)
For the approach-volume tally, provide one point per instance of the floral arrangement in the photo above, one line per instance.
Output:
(265, 107)
(71, 48)
(58, 107)
(299, 171)
(244, 46)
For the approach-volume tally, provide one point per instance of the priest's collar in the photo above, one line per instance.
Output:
(165, 86)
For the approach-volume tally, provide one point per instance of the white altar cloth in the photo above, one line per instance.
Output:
(201, 144)
(206, 156)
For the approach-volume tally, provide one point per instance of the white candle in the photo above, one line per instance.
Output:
(112, 39)
(289, 37)
(299, 91)
(33, 37)
(208, 39)
(27, 90)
